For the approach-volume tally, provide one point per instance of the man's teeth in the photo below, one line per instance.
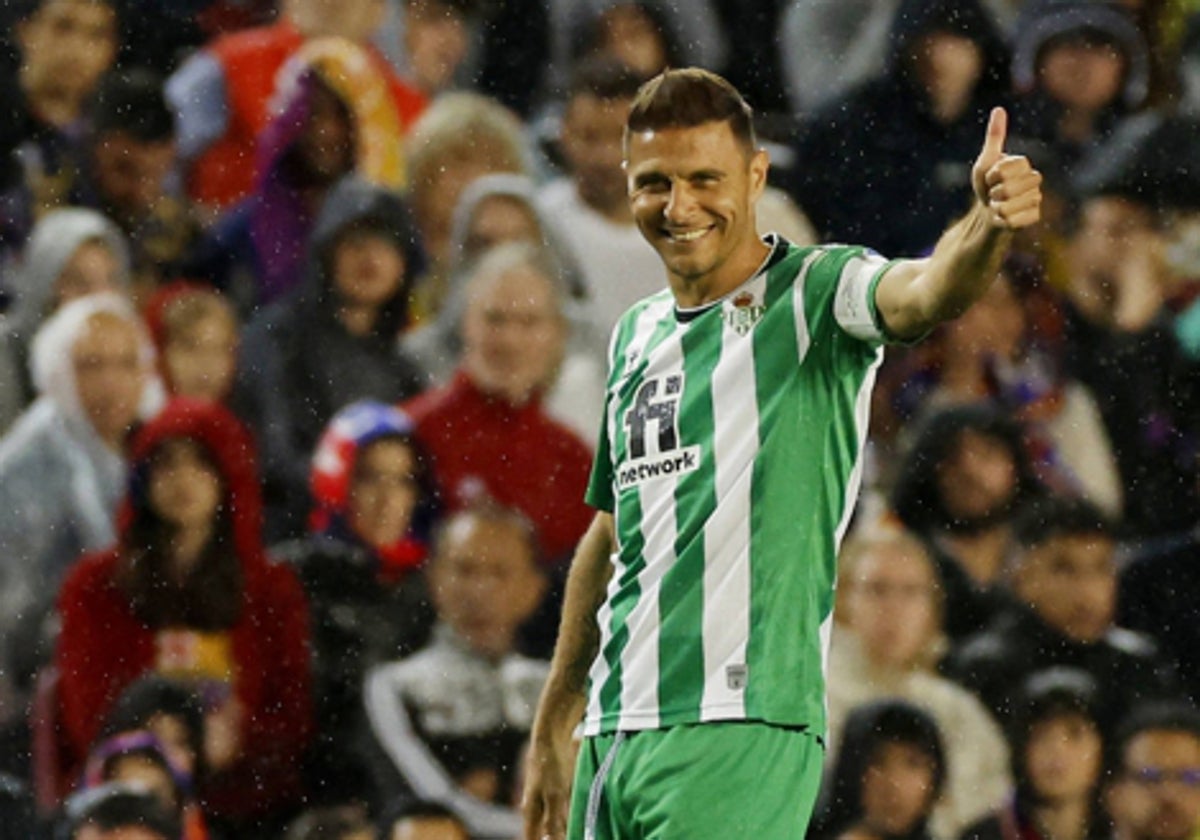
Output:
(688, 236)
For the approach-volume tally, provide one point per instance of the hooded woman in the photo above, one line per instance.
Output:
(63, 462)
(71, 253)
(332, 342)
(188, 592)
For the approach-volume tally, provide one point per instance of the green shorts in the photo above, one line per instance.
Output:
(722, 780)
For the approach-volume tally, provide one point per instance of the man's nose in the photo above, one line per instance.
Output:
(680, 202)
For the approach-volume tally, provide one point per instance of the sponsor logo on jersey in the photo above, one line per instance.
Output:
(668, 464)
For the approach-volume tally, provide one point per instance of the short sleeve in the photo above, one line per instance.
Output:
(854, 302)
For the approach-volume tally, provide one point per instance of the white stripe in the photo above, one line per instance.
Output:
(802, 335)
(599, 672)
(639, 661)
(726, 614)
(852, 304)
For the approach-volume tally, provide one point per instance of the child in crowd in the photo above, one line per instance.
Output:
(196, 331)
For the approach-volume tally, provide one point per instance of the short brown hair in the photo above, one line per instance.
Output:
(691, 97)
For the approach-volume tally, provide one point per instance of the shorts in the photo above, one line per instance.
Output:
(729, 779)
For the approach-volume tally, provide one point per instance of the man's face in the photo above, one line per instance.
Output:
(948, 66)
(485, 583)
(129, 172)
(1110, 229)
(513, 334)
(131, 832)
(693, 192)
(498, 219)
(592, 134)
(368, 268)
(354, 20)
(68, 45)
(897, 788)
(92, 268)
(201, 359)
(1081, 73)
(1157, 794)
(326, 144)
(1063, 757)
(1070, 581)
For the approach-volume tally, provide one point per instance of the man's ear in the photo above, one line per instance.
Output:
(760, 164)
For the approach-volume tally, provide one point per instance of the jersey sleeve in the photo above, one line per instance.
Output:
(854, 306)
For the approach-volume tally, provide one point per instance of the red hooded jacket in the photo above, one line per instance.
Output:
(104, 646)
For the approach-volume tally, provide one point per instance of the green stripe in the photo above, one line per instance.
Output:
(681, 601)
(776, 357)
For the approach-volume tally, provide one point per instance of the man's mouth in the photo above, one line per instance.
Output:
(686, 235)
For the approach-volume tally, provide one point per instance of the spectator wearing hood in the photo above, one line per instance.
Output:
(188, 592)
(63, 462)
(496, 210)
(71, 253)
(223, 93)
(333, 341)
(884, 165)
(331, 117)
(959, 487)
(359, 565)
(1079, 66)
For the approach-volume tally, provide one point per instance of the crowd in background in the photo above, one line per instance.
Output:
(302, 358)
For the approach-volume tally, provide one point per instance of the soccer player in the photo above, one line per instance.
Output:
(698, 608)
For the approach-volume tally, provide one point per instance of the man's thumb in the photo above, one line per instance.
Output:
(993, 142)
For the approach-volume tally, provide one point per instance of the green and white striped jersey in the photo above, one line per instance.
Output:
(731, 456)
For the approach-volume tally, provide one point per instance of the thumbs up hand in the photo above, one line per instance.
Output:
(1007, 185)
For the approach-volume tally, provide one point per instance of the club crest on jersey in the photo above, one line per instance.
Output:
(743, 312)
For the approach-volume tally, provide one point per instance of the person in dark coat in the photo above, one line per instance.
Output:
(884, 165)
(1064, 576)
(332, 342)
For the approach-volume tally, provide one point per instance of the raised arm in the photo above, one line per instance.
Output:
(550, 763)
(914, 296)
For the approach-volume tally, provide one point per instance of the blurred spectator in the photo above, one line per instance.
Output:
(514, 52)
(487, 429)
(506, 214)
(368, 531)
(452, 718)
(1152, 600)
(65, 47)
(459, 138)
(830, 47)
(332, 823)
(435, 43)
(1120, 344)
(222, 93)
(889, 165)
(1078, 67)
(420, 819)
(646, 35)
(1154, 787)
(170, 710)
(16, 810)
(887, 646)
(116, 812)
(998, 351)
(195, 330)
(959, 485)
(1057, 762)
(138, 759)
(63, 463)
(588, 210)
(1065, 579)
(128, 162)
(752, 65)
(886, 777)
(188, 593)
(332, 117)
(333, 341)
(71, 253)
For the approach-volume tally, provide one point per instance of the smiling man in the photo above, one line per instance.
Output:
(698, 610)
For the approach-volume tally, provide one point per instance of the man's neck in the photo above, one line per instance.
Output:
(980, 554)
(358, 320)
(691, 293)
